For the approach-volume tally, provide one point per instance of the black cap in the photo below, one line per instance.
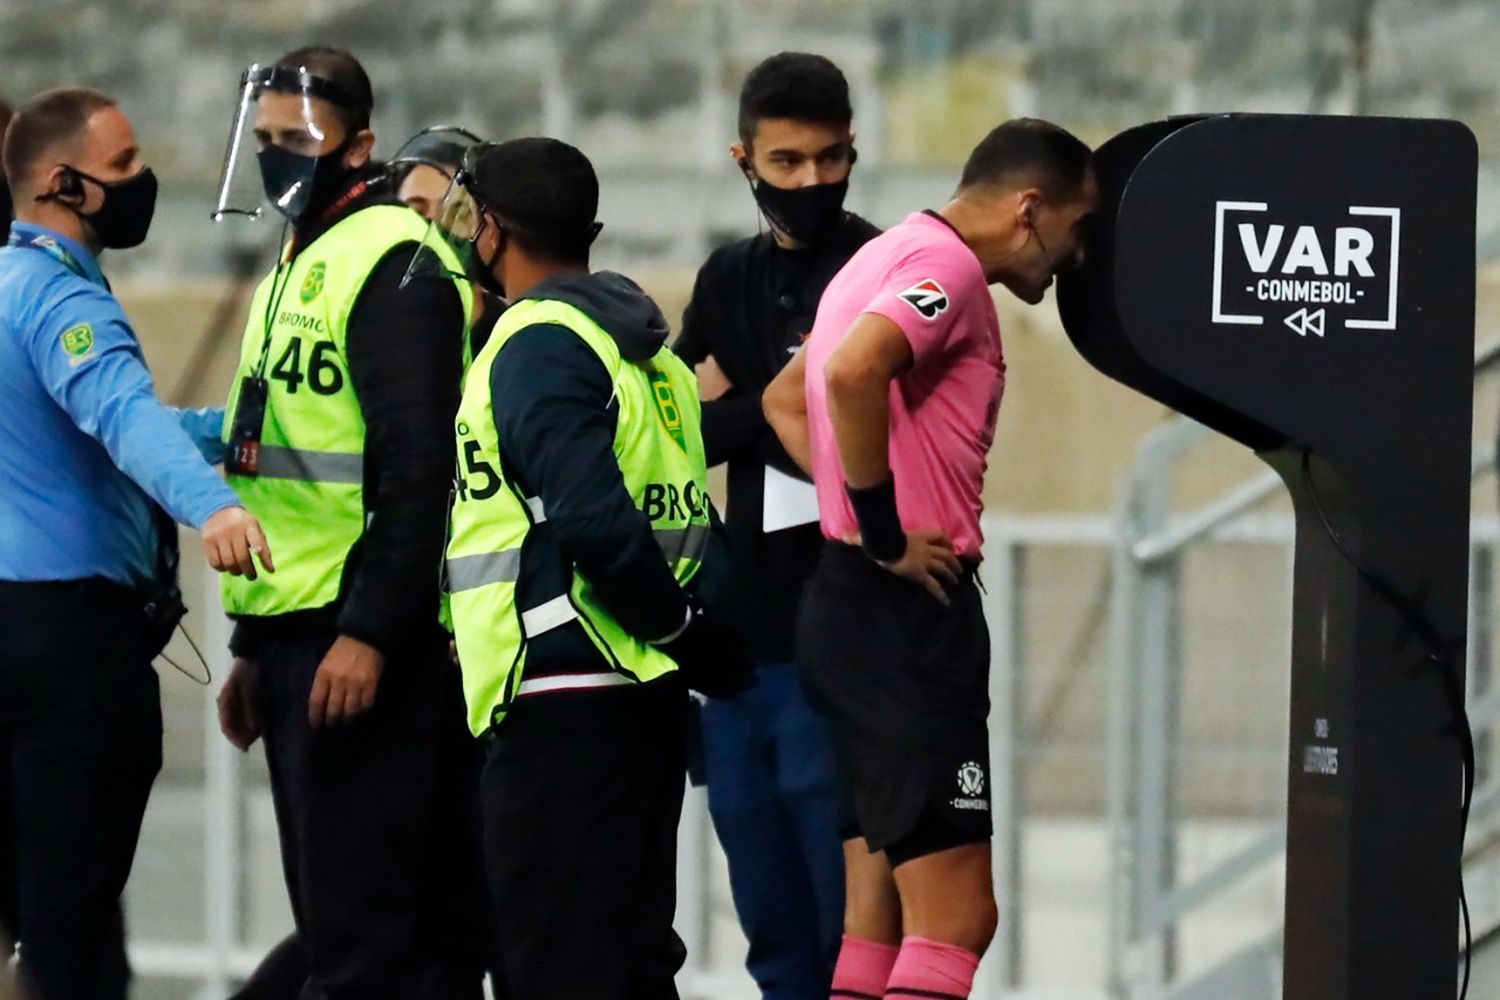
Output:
(544, 186)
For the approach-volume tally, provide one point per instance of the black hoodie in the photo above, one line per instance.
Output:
(556, 416)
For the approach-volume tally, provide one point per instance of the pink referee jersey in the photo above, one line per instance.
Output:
(921, 277)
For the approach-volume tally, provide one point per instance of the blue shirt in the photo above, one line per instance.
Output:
(84, 442)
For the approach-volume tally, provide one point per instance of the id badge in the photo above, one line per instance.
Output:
(243, 455)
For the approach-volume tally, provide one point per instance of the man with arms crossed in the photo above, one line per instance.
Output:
(892, 406)
(768, 757)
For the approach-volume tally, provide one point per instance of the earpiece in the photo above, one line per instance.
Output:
(69, 184)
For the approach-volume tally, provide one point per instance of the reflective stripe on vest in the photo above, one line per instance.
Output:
(472, 572)
(548, 615)
(469, 572)
(310, 466)
(683, 543)
(570, 682)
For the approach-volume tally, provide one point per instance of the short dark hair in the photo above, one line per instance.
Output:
(1029, 152)
(45, 122)
(340, 68)
(797, 85)
(547, 194)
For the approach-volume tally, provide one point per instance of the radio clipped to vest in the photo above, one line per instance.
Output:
(242, 458)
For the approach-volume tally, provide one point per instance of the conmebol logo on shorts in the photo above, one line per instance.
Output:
(1314, 277)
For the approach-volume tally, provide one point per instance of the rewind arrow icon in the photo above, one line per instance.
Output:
(1304, 322)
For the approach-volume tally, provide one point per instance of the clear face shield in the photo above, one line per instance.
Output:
(449, 250)
(422, 168)
(278, 142)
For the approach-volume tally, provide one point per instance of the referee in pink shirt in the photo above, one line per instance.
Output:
(892, 408)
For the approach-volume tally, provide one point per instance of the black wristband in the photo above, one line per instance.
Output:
(879, 525)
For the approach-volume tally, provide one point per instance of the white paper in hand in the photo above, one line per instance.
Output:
(788, 502)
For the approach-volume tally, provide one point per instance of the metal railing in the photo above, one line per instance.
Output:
(1144, 546)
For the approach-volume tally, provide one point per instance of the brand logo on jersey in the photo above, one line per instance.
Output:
(666, 406)
(312, 285)
(78, 341)
(926, 297)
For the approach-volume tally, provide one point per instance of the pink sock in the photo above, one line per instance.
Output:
(931, 970)
(862, 969)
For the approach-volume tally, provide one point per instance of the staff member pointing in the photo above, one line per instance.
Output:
(86, 455)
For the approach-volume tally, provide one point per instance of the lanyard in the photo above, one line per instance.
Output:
(284, 264)
(280, 278)
(55, 250)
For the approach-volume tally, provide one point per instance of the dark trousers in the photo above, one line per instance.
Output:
(582, 792)
(774, 798)
(280, 975)
(379, 826)
(80, 745)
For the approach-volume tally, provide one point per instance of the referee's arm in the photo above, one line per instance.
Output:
(858, 376)
(785, 405)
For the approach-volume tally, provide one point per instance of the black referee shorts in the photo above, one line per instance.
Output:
(904, 683)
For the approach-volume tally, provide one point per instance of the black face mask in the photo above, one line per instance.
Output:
(125, 217)
(483, 271)
(298, 185)
(485, 278)
(806, 214)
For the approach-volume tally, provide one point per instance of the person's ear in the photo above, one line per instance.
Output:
(1027, 207)
(360, 149)
(742, 160)
(490, 242)
(61, 184)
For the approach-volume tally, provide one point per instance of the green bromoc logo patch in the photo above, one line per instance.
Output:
(79, 340)
(312, 285)
(666, 406)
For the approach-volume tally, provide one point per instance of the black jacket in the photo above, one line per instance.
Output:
(752, 306)
(556, 414)
(405, 362)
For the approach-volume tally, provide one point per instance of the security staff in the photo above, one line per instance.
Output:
(768, 758)
(93, 472)
(422, 171)
(581, 514)
(425, 164)
(338, 428)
